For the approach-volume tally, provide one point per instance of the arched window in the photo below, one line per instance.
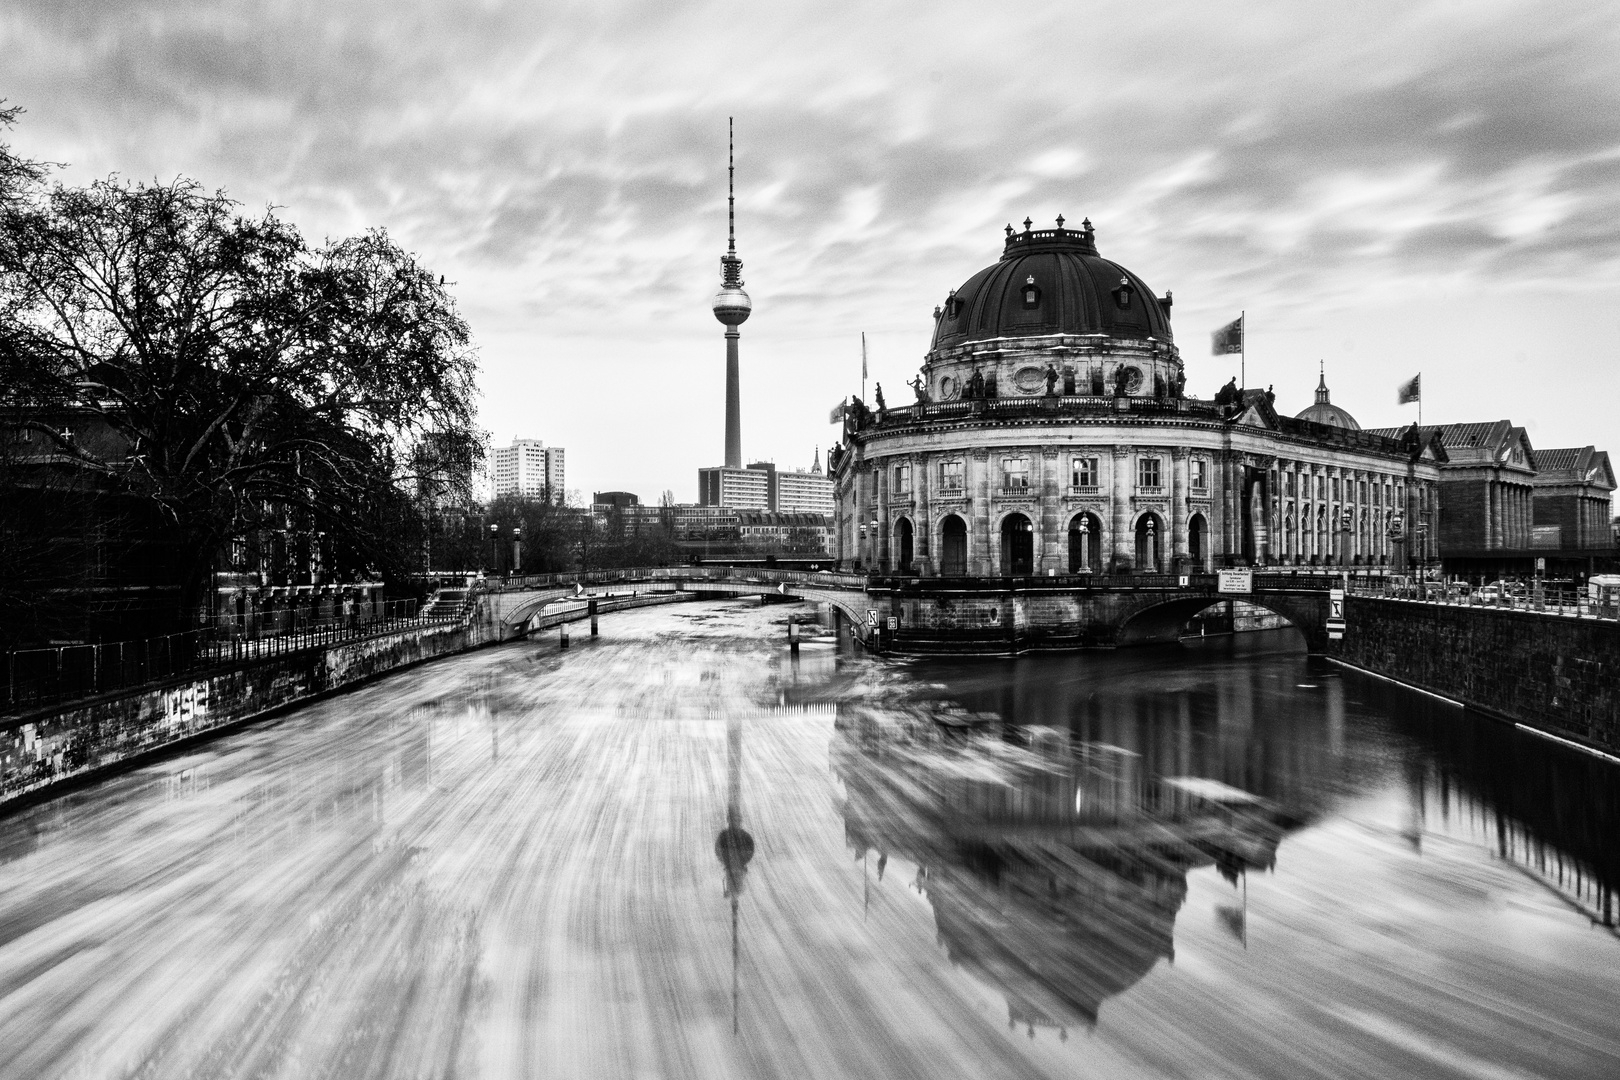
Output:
(953, 546)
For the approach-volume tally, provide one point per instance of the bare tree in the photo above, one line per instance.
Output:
(257, 383)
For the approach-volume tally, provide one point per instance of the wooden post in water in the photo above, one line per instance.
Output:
(562, 640)
(593, 618)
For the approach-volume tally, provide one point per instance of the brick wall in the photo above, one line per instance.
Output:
(1557, 674)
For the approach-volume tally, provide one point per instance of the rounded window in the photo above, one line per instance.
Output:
(1132, 378)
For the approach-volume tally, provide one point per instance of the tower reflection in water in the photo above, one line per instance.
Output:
(1055, 866)
(734, 847)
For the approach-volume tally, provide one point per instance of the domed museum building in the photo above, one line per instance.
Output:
(1051, 434)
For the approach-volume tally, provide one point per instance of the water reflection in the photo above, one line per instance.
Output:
(1055, 806)
(1055, 866)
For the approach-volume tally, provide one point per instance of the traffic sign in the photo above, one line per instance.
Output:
(1186, 580)
(894, 623)
(871, 616)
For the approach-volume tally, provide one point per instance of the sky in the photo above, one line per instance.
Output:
(1384, 188)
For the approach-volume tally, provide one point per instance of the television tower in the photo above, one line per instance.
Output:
(732, 306)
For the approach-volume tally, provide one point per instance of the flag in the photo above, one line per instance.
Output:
(1410, 391)
(837, 414)
(1229, 338)
(863, 357)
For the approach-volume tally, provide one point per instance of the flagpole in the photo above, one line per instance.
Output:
(1243, 348)
(863, 365)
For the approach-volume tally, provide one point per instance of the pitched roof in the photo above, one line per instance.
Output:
(1474, 443)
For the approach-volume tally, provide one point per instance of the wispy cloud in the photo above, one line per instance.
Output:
(565, 164)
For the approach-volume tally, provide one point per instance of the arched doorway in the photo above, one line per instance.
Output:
(1149, 544)
(903, 543)
(953, 547)
(1197, 542)
(1017, 546)
(1085, 544)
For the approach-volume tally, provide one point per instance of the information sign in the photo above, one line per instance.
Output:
(894, 623)
(1186, 580)
(1335, 619)
(1240, 580)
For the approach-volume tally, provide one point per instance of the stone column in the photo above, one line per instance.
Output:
(1178, 509)
(922, 539)
(981, 551)
(1124, 540)
(1049, 552)
(882, 481)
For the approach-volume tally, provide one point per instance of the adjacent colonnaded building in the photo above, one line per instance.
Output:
(1051, 435)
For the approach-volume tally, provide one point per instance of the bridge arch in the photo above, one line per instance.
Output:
(1160, 619)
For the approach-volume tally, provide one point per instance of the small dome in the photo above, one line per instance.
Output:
(732, 306)
(1323, 411)
(1052, 281)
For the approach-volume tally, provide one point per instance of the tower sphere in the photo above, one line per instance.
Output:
(731, 305)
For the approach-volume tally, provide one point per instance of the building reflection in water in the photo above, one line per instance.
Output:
(1055, 866)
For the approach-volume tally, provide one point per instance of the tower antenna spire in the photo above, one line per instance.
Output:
(731, 184)
(731, 303)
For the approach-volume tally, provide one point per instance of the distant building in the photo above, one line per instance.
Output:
(804, 492)
(1487, 488)
(1574, 489)
(528, 468)
(618, 500)
(753, 488)
(761, 486)
(785, 532)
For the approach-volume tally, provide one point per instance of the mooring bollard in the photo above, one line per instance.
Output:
(793, 637)
(593, 618)
(563, 640)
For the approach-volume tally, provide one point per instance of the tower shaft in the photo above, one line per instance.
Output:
(733, 402)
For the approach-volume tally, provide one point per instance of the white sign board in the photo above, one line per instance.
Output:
(1235, 581)
(1335, 605)
(1185, 580)
(894, 623)
(871, 616)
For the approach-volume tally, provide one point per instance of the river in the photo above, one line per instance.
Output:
(678, 851)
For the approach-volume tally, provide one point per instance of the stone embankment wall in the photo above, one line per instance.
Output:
(47, 749)
(1554, 673)
(44, 750)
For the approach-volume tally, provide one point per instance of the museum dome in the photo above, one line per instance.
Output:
(1051, 281)
(1323, 411)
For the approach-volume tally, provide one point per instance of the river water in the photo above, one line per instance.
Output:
(676, 851)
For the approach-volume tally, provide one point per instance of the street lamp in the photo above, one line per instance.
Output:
(1085, 543)
(517, 548)
(494, 549)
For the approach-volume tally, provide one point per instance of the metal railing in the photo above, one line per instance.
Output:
(51, 675)
(1547, 600)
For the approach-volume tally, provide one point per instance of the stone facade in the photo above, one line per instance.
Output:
(1060, 441)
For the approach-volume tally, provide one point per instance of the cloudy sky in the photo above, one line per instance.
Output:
(1389, 188)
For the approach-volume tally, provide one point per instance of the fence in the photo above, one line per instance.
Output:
(1572, 603)
(38, 677)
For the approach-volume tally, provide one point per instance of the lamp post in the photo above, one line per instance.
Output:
(517, 548)
(875, 542)
(494, 549)
(1085, 544)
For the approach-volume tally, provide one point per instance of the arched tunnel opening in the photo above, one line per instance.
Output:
(1201, 616)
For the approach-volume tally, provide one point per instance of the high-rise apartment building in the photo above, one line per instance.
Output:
(528, 468)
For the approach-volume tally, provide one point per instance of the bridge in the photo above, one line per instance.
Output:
(990, 615)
